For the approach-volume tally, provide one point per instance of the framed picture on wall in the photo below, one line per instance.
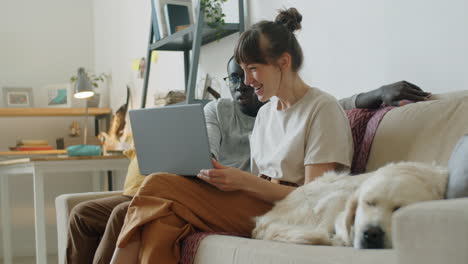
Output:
(58, 95)
(18, 96)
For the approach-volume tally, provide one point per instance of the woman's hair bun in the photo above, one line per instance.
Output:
(291, 18)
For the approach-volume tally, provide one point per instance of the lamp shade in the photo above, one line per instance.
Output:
(83, 86)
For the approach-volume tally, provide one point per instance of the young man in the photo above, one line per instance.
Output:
(95, 225)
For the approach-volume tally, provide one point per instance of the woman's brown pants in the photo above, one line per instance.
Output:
(168, 208)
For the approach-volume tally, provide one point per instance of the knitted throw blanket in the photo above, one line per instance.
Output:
(364, 124)
(191, 243)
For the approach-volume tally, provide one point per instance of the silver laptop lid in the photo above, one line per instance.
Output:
(171, 139)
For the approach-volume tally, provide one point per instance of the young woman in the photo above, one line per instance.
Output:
(298, 135)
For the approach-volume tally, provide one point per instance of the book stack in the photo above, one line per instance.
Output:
(31, 145)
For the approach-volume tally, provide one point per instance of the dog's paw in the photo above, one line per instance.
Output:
(293, 234)
(308, 237)
(337, 241)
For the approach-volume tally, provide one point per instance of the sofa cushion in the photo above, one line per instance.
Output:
(235, 250)
(423, 131)
(458, 170)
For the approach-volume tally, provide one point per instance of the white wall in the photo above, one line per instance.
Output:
(427, 41)
(349, 46)
(353, 46)
(44, 42)
(41, 42)
(121, 36)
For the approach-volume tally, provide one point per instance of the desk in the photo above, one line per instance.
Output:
(39, 167)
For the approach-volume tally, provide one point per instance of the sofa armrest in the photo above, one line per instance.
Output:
(63, 205)
(432, 232)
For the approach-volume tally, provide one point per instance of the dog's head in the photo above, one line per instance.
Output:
(366, 220)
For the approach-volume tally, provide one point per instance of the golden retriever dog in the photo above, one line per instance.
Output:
(342, 210)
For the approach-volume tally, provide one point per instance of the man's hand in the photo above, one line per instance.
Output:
(391, 94)
(224, 178)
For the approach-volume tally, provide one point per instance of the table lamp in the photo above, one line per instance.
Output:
(83, 90)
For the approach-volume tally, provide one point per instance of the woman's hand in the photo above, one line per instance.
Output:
(224, 178)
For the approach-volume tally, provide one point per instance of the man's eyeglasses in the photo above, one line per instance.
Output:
(234, 81)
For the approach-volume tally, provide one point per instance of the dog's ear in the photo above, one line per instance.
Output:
(344, 225)
(350, 212)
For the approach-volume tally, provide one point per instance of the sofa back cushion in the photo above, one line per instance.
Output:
(424, 131)
(458, 170)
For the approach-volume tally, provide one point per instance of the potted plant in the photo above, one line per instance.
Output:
(214, 15)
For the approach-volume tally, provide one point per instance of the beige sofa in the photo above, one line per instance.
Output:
(431, 232)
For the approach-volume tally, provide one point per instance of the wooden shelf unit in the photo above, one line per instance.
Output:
(188, 41)
(16, 112)
(183, 40)
(99, 113)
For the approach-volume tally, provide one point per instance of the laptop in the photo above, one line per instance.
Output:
(171, 139)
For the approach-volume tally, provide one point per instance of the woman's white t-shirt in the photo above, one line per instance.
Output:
(314, 130)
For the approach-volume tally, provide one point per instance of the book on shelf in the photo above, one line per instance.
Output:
(31, 145)
(30, 148)
(31, 142)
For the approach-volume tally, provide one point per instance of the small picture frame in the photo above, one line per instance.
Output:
(161, 10)
(58, 95)
(178, 15)
(18, 96)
